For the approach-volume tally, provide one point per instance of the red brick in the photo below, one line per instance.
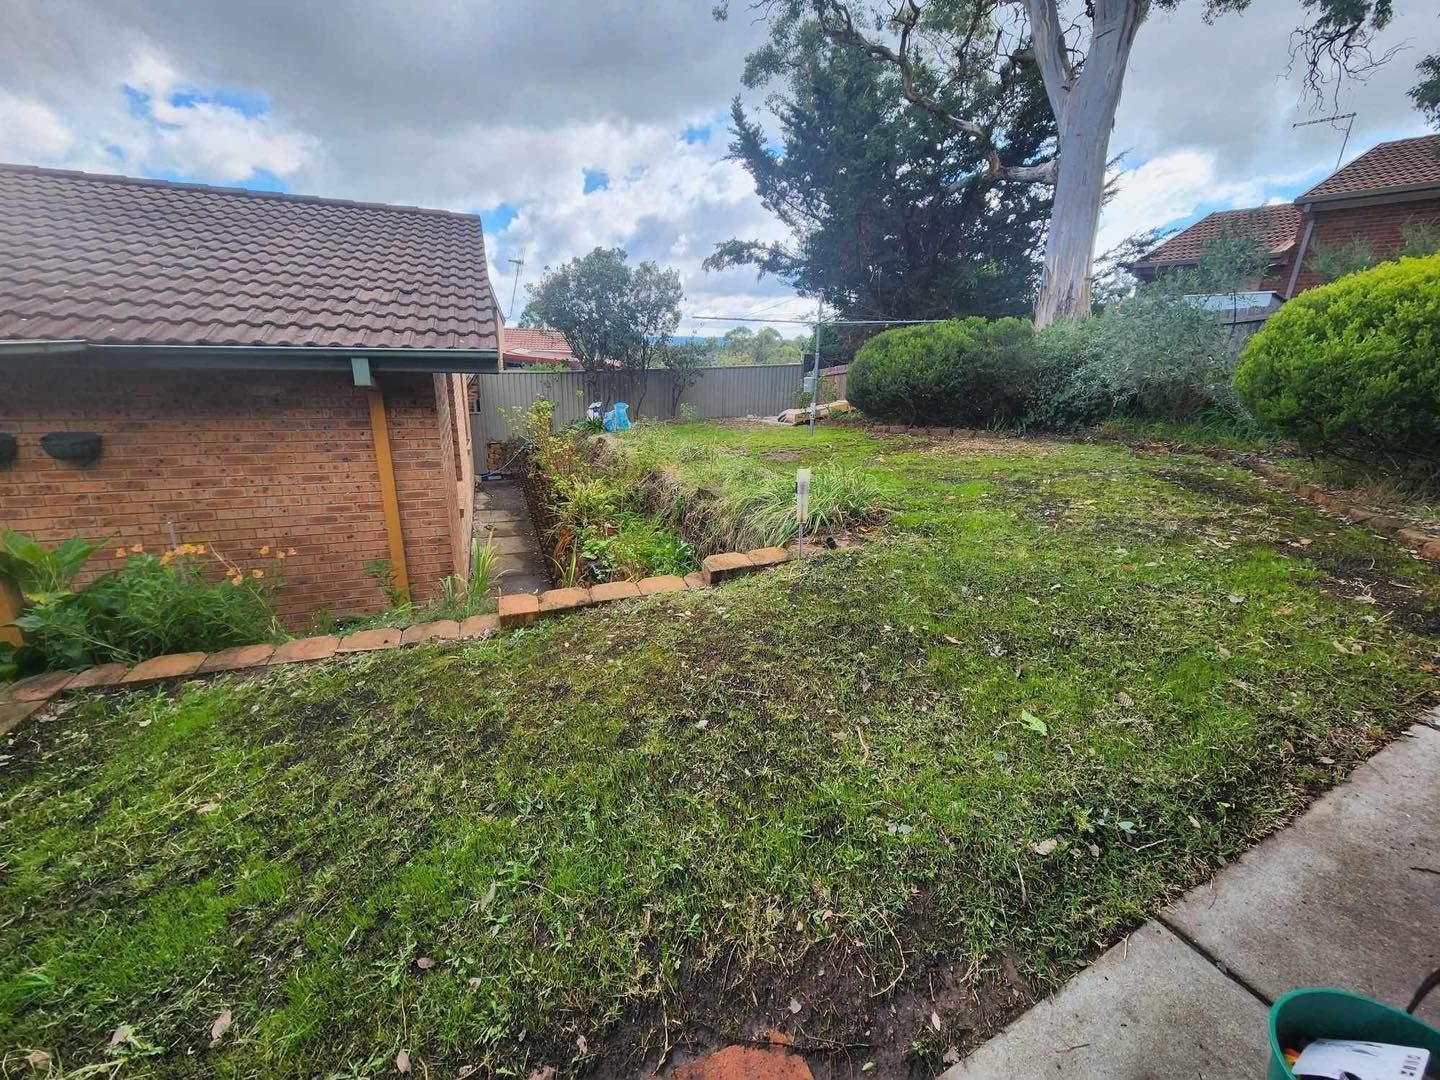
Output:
(661, 583)
(12, 712)
(726, 565)
(768, 556)
(696, 581)
(614, 590)
(309, 648)
(172, 666)
(745, 1063)
(40, 687)
(241, 656)
(439, 630)
(477, 626)
(97, 677)
(1431, 551)
(518, 609)
(384, 637)
(561, 600)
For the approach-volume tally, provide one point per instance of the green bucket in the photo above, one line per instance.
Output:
(1303, 1015)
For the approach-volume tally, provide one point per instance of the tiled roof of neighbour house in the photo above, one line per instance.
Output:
(1390, 166)
(120, 261)
(1274, 226)
(524, 344)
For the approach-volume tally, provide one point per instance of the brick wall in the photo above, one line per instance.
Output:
(1381, 226)
(237, 459)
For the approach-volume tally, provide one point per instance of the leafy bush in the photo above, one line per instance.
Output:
(155, 604)
(1354, 364)
(962, 372)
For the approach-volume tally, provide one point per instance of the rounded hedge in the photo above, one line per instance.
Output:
(963, 373)
(1354, 364)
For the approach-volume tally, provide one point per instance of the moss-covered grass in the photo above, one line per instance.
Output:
(659, 820)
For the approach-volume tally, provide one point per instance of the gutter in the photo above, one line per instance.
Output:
(273, 357)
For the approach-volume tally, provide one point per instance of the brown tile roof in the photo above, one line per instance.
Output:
(1274, 226)
(524, 345)
(116, 260)
(1404, 163)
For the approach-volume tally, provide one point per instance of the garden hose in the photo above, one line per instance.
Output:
(499, 474)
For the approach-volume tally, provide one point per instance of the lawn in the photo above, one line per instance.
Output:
(936, 773)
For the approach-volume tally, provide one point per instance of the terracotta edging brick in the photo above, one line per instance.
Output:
(173, 666)
(662, 583)
(614, 590)
(97, 678)
(560, 600)
(518, 609)
(305, 649)
(724, 566)
(382, 637)
(242, 656)
(479, 626)
(440, 630)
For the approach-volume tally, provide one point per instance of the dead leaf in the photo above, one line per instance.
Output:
(951, 640)
(1094, 851)
(778, 1038)
(1224, 653)
(934, 1020)
(489, 897)
(207, 808)
(474, 982)
(950, 1057)
(544, 1072)
(1194, 821)
(122, 1034)
(219, 1028)
(1045, 847)
(37, 1060)
(582, 1045)
(795, 1006)
(1327, 761)
(402, 1061)
(425, 963)
(1124, 699)
(1305, 541)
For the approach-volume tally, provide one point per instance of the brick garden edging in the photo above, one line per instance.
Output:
(20, 699)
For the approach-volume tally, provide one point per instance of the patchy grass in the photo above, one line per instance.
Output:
(658, 824)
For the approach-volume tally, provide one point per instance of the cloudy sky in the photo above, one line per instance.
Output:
(572, 123)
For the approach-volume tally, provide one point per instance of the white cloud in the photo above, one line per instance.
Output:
(31, 129)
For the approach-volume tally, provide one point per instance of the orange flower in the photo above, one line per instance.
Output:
(257, 572)
(280, 554)
(168, 558)
(235, 581)
(119, 553)
(199, 549)
(137, 548)
(265, 549)
(292, 551)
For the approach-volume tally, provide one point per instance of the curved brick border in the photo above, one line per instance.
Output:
(20, 699)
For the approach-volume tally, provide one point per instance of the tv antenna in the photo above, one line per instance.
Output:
(514, 288)
(1349, 119)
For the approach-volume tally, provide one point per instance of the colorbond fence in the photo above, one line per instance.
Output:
(719, 393)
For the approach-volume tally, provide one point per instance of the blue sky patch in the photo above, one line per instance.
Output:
(596, 180)
(696, 133)
(242, 101)
(498, 217)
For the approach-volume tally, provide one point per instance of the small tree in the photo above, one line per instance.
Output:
(685, 360)
(616, 319)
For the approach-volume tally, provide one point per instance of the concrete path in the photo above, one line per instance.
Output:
(502, 520)
(1347, 896)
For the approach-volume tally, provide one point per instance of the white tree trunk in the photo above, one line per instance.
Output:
(1084, 105)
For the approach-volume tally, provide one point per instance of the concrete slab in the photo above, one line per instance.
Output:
(1347, 896)
(1139, 1011)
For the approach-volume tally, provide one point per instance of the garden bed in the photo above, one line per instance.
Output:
(933, 774)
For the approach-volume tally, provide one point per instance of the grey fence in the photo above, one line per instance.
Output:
(719, 393)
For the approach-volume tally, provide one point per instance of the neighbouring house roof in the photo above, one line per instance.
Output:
(114, 260)
(526, 345)
(1275, 227)
(1401, 165)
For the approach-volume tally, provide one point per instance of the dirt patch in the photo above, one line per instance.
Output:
(1215, 487)
(1363, 580)
(783, 455)
(832, 1007)
(990, 444)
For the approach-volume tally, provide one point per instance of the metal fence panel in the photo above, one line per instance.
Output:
(718, 394)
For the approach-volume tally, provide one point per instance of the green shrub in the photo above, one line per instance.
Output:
(1354, 364)
(968, 372)
(153, 605)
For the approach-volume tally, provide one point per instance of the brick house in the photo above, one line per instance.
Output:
(1378, 198)
(260, 369)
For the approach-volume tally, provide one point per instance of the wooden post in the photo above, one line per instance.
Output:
(9, 611)
(389, 503)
